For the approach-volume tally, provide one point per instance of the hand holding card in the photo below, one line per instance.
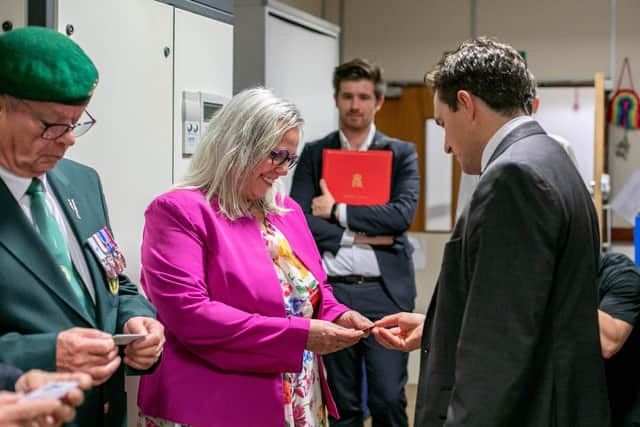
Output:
(125, 339)
(52, 390)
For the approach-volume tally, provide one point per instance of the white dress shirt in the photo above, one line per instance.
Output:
(18, 188)
(351, 258)
(497, 138)
(468, 183)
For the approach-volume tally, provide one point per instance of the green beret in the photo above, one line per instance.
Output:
(40, 64)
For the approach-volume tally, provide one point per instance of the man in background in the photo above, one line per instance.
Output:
(618, 313)
(365, 249)
(63, 288)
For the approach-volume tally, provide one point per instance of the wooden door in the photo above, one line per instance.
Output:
(404, 118)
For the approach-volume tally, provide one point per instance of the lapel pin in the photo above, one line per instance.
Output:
(74, 208)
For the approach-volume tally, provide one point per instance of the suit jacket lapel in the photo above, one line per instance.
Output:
(78, 212)
(334, 142)
(380, 142)
(19, 237)
(80, 218)
(524, 130)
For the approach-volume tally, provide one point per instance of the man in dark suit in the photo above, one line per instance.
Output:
(366, 252)
(511, 335)
(62, 286)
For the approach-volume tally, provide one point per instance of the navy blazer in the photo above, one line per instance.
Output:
(393, 218)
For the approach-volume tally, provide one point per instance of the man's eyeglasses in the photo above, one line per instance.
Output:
(53, 131)
(280, 157)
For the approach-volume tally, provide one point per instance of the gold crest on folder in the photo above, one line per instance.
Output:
(356, 180)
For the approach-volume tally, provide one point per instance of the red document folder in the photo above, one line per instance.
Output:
(358, 177)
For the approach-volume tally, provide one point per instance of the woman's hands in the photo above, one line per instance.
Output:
(353, 320)
(346, 330)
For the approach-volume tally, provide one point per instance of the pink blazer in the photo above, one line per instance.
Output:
(217, 293)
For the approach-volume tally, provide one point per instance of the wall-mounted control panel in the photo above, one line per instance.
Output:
(197, 110)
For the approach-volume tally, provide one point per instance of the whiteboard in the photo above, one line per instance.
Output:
(438, 168)
(570, 112)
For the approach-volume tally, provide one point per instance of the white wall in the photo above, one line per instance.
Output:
(567, 39)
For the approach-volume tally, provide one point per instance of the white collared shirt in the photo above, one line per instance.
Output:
(18, 188)
(351, 259)
(497, 138)
(346, 145)
(468, 183)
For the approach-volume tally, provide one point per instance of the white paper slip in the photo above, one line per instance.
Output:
(124, 339)
(626, 202)
(52, 390)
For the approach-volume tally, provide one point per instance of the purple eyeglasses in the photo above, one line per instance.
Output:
(280, 157)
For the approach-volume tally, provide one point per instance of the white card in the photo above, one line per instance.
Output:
(124, 339)
(52, 390)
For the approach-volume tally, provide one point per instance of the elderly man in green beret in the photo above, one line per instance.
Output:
(62, 286)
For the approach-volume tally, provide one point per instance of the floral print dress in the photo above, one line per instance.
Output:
(303, 404)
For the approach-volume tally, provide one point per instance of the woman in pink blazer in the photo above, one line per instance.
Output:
(238, 282)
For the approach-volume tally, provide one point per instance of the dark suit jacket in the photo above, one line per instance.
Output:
(393, 218)
(38, 302)
(511, 335)
(8, 377)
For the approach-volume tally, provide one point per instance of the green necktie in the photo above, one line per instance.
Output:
(53, 239)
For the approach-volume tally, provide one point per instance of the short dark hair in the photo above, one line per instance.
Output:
(359, 69)
(494, 72)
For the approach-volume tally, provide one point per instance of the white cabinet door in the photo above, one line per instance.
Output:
(131, 144)
(14, 11)
(203, 63)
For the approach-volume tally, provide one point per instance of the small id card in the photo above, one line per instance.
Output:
(52, 390)
(124, 339)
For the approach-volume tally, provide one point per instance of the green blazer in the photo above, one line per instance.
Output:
(37, 301)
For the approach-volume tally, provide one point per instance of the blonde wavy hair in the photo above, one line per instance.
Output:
(238, 138)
